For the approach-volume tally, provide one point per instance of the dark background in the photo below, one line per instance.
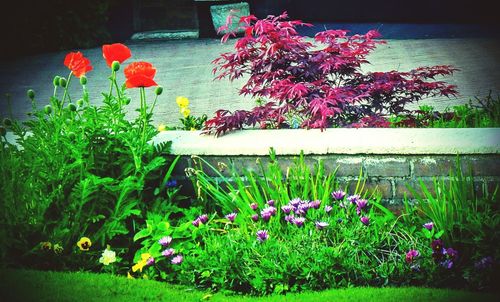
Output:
(30, 27)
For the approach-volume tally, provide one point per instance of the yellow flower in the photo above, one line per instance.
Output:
(46, 246)
(142, 263)
(58, 249)
(193, 129)
(182, 101)
(108, 256)
(162, 127)
(185, 111)
(84, 244)
(129, 276)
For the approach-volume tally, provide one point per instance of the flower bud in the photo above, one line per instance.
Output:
(83, 80)
(31, 94)
(57, 81)
(126, 101)
(63, 82)
(79, 103)
(72, 107)
(3, 131)
(115, 66)
(47, 109)
(159, 90)
(72, 136)
(7, 122)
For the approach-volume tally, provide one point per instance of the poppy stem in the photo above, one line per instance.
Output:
(144, 113)
(111, 82)
(154, 104)
(65, 92)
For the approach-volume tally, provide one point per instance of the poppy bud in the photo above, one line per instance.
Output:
(7, 122)
(3, 131)
(71, 135)
(72, 107)
(126, 101)
(159, 90)
(115, 65)
(48, 109)
(31, 94)
(83, 80)
(79, 102)
(57, 80)
(63, 82)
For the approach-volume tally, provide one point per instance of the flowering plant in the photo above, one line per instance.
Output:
(83, 169)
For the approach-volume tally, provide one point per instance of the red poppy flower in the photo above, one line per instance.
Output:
(140, 74)
(115, 52)
(77, 63)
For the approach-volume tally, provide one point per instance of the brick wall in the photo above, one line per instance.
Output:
(389, 174)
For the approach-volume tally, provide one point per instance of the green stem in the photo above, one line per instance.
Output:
(111, 82)
(66, 91)
(154, 104)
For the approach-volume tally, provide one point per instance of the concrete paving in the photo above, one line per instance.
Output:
(184, 68)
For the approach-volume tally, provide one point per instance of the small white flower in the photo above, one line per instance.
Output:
(108, 257)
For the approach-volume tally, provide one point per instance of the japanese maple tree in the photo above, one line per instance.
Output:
(321, 84)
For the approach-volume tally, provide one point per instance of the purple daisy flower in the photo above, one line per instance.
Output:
(321, 225)
(203, 218)
(168, 252)
(448, 264)
(177, 259)
(231, 216)
(295, 202)
(270, 203)
(429, 225)
(328, 209)
(299, 221)
(289, 218)
(452, 253)
(254, 206)
(150, 261)
(315, 204)
(411, 255)
(255, 217)
(365, 220)
(262, 235)
(196, 222)
(361, 203)
(353, 198)
(165, 241)
(171, 183)
(338, 195)
(266, 214)
(287, 209)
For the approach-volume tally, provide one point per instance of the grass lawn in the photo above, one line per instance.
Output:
(20, 285)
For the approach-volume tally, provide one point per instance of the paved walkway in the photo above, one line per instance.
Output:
(184, 68)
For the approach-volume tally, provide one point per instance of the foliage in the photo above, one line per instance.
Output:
(79, 170)
(482, 113)
(468, 219)
(322, 83)
(252, 237)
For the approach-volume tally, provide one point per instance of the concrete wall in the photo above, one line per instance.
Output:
(388, 158)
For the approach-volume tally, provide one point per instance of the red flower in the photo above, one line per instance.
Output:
(77, 63)
(140, 74)
(115, 52)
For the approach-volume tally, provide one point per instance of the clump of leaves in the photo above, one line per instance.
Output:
(322, 82)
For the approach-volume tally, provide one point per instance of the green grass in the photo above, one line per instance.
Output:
(21, 285)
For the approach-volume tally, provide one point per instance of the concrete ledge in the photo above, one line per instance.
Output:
(337, 141)
(165, 35)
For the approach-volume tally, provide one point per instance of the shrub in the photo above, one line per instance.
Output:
(322, 84)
